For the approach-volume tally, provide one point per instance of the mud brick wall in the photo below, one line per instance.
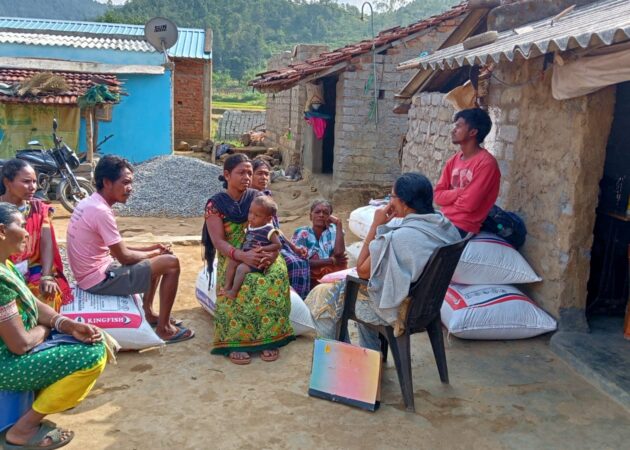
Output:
(188, 100)
(234, 123)
(284, 119)
(367, 154)
(551, 154)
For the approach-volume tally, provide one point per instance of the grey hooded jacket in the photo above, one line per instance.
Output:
(398, 255)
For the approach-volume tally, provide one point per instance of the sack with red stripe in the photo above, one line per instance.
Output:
(489, 259)
(493, 312)
(121, 316)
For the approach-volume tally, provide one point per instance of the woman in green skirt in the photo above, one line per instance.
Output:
(258, 319)
(62, 370)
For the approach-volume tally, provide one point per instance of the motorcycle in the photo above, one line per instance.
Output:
(55, 166)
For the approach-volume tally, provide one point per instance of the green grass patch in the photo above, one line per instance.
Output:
(243, 106)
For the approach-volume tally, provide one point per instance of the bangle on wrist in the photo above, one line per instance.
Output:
(53, 319)
(59, 320)
(232, 251)
(48, 278)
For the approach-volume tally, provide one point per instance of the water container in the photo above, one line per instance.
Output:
(12, 406)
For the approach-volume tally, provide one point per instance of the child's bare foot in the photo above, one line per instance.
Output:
(231, 294)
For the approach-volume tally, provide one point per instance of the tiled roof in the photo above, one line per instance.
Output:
(287, 77)
(190, 42)
(78, 84)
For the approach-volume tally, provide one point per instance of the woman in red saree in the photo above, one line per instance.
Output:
(40, 262)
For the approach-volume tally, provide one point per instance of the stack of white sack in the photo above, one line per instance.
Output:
(121, 317)
(206, 293)
(481, 302)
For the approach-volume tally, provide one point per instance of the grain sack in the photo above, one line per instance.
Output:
(493, 312)
(488, 259)
(121, 317)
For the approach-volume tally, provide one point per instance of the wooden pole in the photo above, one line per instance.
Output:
(89, 128)
(94, 132)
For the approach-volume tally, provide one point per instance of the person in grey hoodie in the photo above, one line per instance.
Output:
(393, 256)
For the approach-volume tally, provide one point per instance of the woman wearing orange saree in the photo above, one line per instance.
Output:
(40, 262)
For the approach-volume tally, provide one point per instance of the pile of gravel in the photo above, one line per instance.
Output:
(172, 186)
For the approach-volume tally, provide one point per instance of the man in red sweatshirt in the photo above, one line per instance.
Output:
(469, 184)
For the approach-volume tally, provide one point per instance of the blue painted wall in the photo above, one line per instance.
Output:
(142, 122)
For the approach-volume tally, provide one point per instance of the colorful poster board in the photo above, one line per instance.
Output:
(346, 373)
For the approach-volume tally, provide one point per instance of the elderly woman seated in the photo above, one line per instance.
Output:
(324, 242)
(394, 254)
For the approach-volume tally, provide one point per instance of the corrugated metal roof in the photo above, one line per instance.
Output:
(605, 22)
(190, 43)
(132, 45)
(78, 84)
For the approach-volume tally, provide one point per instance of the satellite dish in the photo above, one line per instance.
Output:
(161, 33)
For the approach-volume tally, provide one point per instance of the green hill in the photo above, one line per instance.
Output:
(52, 9)
(247, 32)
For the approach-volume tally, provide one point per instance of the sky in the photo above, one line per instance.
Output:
(356, 3)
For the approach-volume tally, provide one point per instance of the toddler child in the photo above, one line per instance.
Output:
(261, 234)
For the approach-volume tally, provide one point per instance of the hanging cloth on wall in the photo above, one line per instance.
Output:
(319, 126)
(589, 74)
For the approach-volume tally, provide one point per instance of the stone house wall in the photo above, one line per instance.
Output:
(366, 154)
(284, 122)
(551, 154)
(188, 102)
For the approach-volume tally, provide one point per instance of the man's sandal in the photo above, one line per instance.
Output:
(240, 358)
(183, 334)
(270, 355)
(47, 430)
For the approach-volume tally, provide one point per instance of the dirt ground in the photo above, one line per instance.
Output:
(293, 199)
(503, 395)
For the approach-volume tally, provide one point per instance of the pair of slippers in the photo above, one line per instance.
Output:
(266, 355)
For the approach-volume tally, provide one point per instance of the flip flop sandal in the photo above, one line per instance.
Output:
(240, 361)
(271, 356)
(46, 430)
(182, 335)
(174, 321)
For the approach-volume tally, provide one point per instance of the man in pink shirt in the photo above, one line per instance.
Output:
(469, 184)
(93, 239)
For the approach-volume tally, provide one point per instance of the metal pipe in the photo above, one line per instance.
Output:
(373, 58)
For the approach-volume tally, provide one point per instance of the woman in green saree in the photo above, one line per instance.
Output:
(258, 319)
(32, 357)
